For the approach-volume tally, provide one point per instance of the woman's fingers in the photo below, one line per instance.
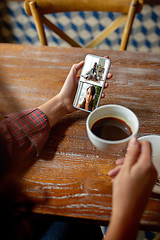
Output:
(106, 85)
(120, 161)
(133, 152)
(109, 75)
(103, 95)
(113, 172)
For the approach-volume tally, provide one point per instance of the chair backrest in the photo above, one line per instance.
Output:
(128, 8)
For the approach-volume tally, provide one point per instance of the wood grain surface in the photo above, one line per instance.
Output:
(69, 178)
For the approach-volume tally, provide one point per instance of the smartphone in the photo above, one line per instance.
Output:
(91, 82)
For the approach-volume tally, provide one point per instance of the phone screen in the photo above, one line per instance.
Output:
(91, 82)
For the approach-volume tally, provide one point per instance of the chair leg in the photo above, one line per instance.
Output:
(128, 25)
(60, 33)
(107, 31)
(39, 25)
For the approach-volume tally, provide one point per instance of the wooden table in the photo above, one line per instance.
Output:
(70, 177)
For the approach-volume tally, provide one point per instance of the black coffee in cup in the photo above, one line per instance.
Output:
(110, 128)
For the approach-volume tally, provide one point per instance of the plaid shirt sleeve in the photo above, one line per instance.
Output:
(26, 129)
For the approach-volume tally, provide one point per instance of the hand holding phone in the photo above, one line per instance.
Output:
(91, 82)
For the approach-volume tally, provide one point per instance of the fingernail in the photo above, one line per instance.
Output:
(110, 172)
(133, 141)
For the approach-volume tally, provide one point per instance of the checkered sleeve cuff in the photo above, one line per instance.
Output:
(31, 123)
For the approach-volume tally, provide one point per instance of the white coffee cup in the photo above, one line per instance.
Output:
(115, 111)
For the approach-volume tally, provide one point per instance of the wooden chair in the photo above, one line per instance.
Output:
(128, 8)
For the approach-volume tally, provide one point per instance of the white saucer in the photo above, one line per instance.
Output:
(155, 142)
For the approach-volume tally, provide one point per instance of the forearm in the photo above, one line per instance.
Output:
(24, 132)
(132, 186)
(125, 218)
(54, 109)
(122, 229)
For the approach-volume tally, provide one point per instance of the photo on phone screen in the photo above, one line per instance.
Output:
(91, 82)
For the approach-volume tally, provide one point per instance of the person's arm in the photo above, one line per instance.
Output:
(132, 185)
(24, 132)
(27, 131)
(62, 103)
